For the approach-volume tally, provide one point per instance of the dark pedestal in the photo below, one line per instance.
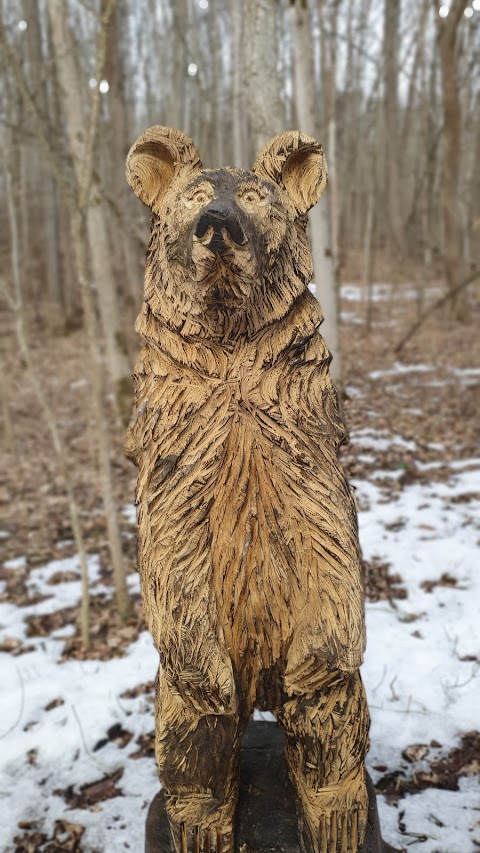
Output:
(266, 816)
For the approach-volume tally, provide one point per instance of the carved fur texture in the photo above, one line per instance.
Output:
(248, 544)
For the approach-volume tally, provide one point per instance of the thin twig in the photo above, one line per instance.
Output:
(22, 704)
(438, 304)
(98, 763)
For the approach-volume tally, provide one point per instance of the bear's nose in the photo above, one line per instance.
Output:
(221, 217)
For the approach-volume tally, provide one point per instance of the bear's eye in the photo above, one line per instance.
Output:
(198, 197)
(252, 195)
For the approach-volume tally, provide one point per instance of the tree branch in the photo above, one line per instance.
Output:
(438, 304)
(37, 119)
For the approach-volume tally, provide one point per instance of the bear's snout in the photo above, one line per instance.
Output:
(217, 221)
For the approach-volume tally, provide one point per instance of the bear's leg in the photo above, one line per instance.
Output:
(326, 733)
(198, 760)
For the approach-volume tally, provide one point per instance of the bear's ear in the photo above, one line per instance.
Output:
(156, 158)
(296, 163)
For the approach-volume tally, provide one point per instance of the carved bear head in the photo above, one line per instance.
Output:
(228, 250)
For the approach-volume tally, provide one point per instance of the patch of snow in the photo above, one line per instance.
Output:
(65, 739)
(16, 563)
(401, 368)
(58, 595)
(384, 290)
(455, 464)
(133, 583)
(350, 317)
(356, 293)
(466, 371)
(421, 666)
(380, 440)
(351, 391)
(130, 513)
(64, 543)
(266, 716)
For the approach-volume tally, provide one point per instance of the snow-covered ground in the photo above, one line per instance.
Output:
(53, 718)
(421, 668)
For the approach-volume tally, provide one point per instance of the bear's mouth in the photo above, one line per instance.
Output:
(220, 262)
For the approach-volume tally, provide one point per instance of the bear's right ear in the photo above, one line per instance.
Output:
(156, 158)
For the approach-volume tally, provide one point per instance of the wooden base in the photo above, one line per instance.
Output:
(266, 819)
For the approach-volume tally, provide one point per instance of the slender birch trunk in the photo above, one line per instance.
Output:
(392, 160)
(95, 210)
(319, 216)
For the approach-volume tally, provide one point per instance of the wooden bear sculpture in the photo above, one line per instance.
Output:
(248, 543)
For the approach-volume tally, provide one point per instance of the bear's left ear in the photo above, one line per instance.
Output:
(296, 163)
(156, 158)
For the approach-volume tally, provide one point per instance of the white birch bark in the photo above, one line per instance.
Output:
(95, 210)
(319, 216)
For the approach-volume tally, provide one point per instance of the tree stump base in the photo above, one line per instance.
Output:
(266, 814)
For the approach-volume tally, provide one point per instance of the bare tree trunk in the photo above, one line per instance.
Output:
(61, 283)
(356, 116)
(432, 137)
(218, 85)
(472, 186)
(114, 147)
(44, 186)
(447, 29)
(391, 40)
(262, 87)
(319, 216)
(118, 365)
(8, 432)
(329, 76)
(240, 157)
(418, 62)
(368, 254)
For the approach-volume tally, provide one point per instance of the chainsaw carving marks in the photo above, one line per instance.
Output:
(248, 540)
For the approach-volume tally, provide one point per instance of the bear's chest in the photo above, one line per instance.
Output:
(233, 463)
(227, 433)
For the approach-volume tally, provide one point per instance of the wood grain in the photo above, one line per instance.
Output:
(248, 543)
